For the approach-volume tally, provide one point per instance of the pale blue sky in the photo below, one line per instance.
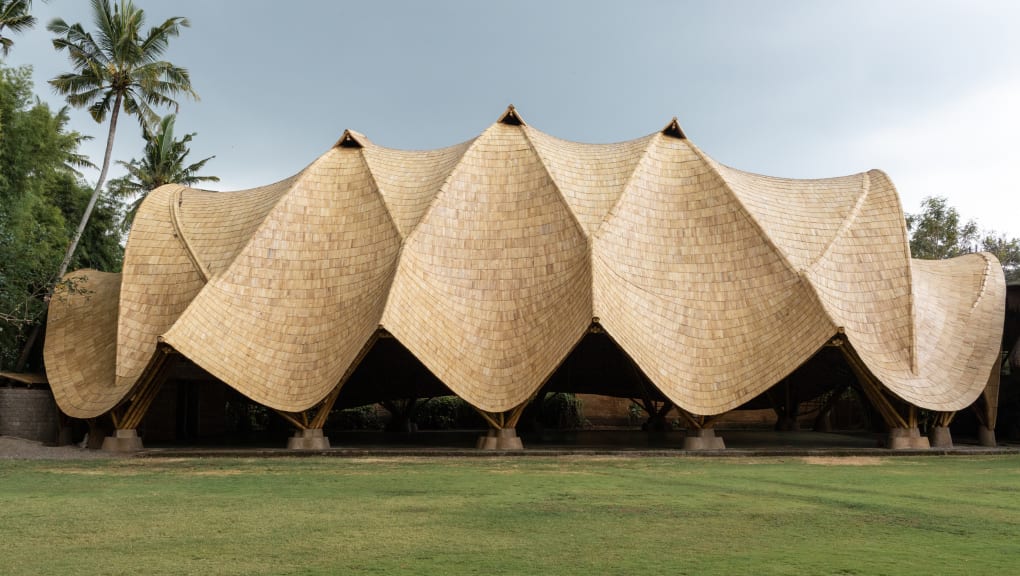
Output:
(927, 91)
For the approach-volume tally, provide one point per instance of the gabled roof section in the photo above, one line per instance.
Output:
(590, 176)
(284, 322)
(493, 287)
(689, 286)
(802, 217)
(216, 225)
(409, 179)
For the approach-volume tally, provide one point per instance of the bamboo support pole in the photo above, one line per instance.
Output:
(872, 389)
(490, 419)
(691, 419)
(944, 419)
(116, 418)
(145, 392)
(319, 420)
(293, 419)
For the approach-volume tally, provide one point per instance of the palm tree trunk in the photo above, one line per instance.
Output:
(23, 357)
(95, 193)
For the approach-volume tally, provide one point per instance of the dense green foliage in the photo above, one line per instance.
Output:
(164, 161)
(937, 233)
(41, 196)
(533, 515)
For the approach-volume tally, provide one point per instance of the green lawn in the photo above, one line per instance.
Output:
(579, 515)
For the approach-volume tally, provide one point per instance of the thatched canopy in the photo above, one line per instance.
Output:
(491, 259)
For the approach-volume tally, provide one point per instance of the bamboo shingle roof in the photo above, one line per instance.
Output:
(491, 259)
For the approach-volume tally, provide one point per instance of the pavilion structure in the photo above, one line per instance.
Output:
(491, 260)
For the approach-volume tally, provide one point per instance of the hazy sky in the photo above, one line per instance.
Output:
(927, 91)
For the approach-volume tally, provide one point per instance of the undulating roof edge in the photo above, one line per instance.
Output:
(489, 260)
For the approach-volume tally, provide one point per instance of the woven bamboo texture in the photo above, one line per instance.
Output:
(489, 260)
(80, 351)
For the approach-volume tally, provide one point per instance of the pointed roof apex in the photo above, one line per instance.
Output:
(511, 117)
(674, 130)
(350, 139)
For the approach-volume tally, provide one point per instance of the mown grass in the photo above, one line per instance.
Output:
(945, 515)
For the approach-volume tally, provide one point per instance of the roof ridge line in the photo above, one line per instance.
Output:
(176, 199)
(652, 139)
(800, 274)
(914, 367)
(748, 215)
(850, 219)
(362, 149)
(526, 132)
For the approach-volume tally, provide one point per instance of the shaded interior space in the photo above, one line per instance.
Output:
(596, 399)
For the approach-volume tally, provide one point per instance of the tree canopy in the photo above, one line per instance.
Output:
(937, 233)
(41, 196)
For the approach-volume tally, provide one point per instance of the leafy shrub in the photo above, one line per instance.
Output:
(563, 411)
(447, 413)
(360, 418)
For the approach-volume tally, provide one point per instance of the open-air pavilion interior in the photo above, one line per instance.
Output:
(515, 265)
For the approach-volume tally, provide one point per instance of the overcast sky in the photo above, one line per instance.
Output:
(927, 91)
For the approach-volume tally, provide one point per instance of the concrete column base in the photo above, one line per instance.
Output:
(703, 439)
(986, 437)
(907, 439)
(311, 439)
(502, 439)
(939, 437)
(123, 441)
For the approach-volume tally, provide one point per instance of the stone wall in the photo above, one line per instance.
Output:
(28, 413)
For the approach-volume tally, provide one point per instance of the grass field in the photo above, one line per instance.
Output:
(578, 515)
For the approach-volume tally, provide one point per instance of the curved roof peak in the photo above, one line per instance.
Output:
(674, 130)
(351, 139)
(511, 117)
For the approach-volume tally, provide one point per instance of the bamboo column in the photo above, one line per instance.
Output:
(502, 433)
(903, 430)
(700, 433)
(126, 418)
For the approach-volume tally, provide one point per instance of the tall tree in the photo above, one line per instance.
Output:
(937, 233)
(163, 162)
(14, 16)
(117, 68)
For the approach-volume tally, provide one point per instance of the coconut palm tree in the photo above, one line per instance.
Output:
(119, 67)
(14, 16)
(163, 162)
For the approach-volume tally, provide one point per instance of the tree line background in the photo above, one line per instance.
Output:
(53, 220)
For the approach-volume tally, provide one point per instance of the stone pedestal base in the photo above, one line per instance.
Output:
(907, 439)
(308, 440)
(939, 437)
(986, 437)
(703, 439)
(123, 441)
(503, 439)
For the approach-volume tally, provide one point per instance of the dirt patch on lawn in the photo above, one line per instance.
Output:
(12, 448)
(844, 460)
